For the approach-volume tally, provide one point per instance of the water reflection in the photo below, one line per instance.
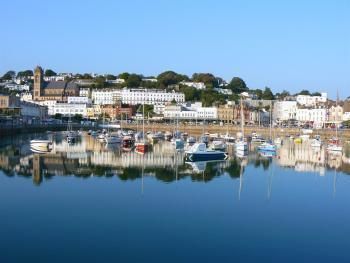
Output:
(89, 158)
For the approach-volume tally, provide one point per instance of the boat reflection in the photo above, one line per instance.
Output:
(89, 158)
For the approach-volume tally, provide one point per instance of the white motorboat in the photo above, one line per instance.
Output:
(41, 145)
(200, 152)
(218, 145)
(257, 138)
(241, 145)
(267, 147)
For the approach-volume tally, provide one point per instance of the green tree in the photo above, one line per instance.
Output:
(237, 85)
(58, 116)
(110, 77)
(316, 94)
(50, 73)
(86, 76)
(100, 82)
(283, 94)
(258, 93)
(191, 94)
(267, 94)
(304, 92)
(170, 78)
(133, 81)
(9, 75)
(25, 73)
(207, 78)
(77, 117)
(124, 76)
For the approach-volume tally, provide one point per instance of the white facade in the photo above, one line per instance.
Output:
(284, 110)
(346, 116)
(116, 81)
(158, 108)
(79, 100)
(307, 100)
(68, 109)
(223, 91)
(105, 97)
(335, 114)
(152, 97)
(27, 97)
(316, 116)
(150, 79)
(54, 78)
(196, 85)
(17, 87)
(32, 110)
(84, 92)
(190, 112)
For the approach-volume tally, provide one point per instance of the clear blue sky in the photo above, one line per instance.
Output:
(289, 45)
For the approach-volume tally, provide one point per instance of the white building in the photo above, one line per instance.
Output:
(284, 111)
(148, 96)
(105, 97)
(17, 87)
(68, 109)
(193, 111)
(223, 91)
(196, 85)
(84, 92)
(346, 116)
(27, 96)
(116, 81)
(335, 113)
(54, 78)
(32, 112)
(79, 100)
(307, 100)
(316, 116)
(150, 79)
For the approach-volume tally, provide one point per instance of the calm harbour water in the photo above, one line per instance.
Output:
(89, 203)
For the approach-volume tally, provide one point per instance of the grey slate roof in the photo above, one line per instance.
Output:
(60, 85)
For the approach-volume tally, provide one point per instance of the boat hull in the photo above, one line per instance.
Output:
(206, 156)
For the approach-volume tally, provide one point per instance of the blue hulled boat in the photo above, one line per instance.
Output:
(200, 152)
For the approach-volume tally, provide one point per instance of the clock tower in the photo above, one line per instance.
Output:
(38, 83)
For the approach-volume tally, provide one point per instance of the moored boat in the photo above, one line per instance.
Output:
(128, 142)
(267, 146)
(199, 151)
(219, 145)
(41, 145)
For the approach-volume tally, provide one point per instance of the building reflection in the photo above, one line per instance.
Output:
(304, 158)
(89, 158)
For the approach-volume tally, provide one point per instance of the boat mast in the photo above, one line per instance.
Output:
(143, 120)
(271, 121)
(242, 117)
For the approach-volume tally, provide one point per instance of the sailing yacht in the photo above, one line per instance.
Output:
(142, 145)
(316, 142)
(241, 144)
(334, 144)
(71, 135)
(268, 146)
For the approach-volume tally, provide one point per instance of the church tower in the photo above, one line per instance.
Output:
(38, 83)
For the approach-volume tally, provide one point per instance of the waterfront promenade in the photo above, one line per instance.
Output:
(195, 130)
(234, 129)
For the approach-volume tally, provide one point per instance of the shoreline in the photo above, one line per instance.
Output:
(190, 129)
